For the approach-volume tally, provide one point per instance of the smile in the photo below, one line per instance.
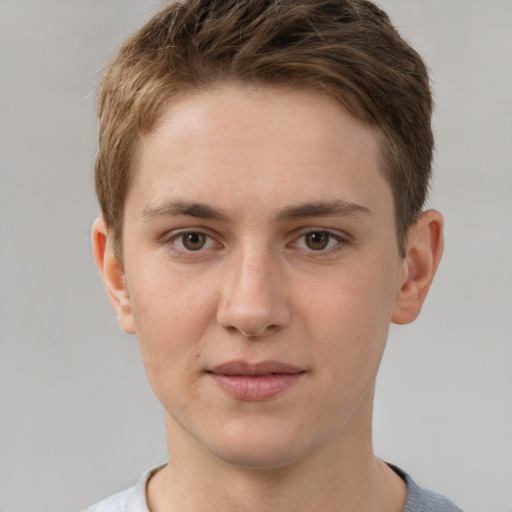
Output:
(255, 382)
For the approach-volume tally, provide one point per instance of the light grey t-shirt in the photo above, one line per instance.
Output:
(134, 499)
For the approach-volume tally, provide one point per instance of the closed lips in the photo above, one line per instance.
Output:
(255, 382)
(243, 368)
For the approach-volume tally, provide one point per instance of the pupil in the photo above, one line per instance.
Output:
(317, 240)
(194, 241)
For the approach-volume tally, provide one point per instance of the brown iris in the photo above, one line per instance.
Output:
(317, 240)
(193, 241)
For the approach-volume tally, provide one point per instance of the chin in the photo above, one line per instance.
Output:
(261, 449)
(259, 460)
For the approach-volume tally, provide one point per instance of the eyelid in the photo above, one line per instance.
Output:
(341, 238)
(170, 238)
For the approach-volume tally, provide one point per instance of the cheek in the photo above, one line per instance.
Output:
(171, 314)
(359, 299)
(349, 317)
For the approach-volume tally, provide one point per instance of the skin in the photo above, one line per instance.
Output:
(261, 288)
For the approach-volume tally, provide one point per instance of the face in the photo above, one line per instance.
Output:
(261, 271)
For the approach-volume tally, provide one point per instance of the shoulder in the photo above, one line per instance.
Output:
(115, 503)
(423, 500)
(129, 500)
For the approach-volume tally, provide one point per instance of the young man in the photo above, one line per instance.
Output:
(261, 173)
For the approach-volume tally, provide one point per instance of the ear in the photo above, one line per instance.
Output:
(424, 250)
(112, 273)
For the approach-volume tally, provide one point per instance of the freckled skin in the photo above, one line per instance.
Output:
(257, 291)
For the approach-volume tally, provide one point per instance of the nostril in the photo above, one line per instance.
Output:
(252, 333)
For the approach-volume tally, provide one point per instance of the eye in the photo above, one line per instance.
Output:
(318, 241)
(193, 241)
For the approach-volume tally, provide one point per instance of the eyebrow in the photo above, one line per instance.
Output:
(176, 208)
(336, 207)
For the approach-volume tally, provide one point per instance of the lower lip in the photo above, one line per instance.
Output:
(258, 387)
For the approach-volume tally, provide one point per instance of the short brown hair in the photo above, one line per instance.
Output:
(347, 48)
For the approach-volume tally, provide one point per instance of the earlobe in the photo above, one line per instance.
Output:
(112, 274)
(424, 250)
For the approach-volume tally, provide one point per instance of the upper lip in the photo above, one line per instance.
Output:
(244, 368)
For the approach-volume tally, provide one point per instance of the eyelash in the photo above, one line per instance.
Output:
(340, 243)
(171, 239)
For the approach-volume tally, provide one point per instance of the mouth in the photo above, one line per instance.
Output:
(255, 382)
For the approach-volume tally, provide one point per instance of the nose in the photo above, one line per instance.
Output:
(253, 296)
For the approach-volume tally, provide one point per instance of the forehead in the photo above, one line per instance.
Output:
(236, 145)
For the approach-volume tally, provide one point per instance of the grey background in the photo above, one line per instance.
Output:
(77, 418)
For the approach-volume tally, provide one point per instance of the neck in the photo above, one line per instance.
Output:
(337, 477)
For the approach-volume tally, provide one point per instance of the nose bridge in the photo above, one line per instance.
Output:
(252, 299)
